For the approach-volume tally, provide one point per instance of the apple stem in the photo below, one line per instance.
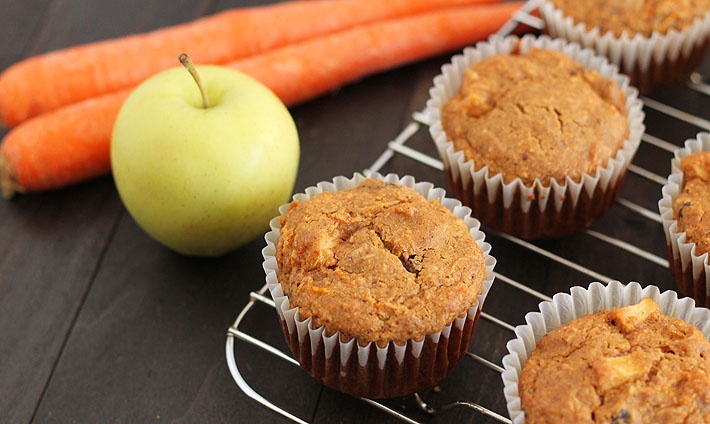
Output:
(187, 63)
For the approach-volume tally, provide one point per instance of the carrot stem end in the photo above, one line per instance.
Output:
(187, 63)
(8, 185)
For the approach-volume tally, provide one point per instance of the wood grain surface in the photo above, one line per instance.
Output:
(99, 323)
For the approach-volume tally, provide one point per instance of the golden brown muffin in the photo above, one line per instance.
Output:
(625, 365)
(378, 262)
(690, 207)
(634, 16)
(536, 115)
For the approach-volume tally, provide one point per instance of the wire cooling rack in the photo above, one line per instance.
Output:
(398, 146)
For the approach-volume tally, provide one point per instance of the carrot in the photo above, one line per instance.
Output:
(47, 82)
(59, 148)
(73, 143)
(321, 64)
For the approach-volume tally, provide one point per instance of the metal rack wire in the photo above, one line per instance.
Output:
(398, 146)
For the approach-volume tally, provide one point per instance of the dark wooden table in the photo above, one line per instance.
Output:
(99, 323)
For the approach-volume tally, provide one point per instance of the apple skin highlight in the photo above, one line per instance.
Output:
(204, 181)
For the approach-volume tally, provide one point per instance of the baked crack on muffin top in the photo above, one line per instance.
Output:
(378, 262)
(692, 206)
(536, 115)
(625, 365)
(634, 16)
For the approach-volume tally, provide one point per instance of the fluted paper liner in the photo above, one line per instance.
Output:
(566, 307)
(558, 209)
(690, 270)
(366, 369)
(650, 61)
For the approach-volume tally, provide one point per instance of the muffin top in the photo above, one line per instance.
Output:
(634, 16)
(691, 205)
(536, 115)
(625, 365)
(378, 262)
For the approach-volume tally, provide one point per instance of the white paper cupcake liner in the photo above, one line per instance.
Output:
(566, 307)
(690, 270)
(366, 369)
(650, 61)
(552, 209)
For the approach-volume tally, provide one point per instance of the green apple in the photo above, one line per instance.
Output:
(204, 180)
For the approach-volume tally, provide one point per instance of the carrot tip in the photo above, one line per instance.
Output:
(7, 183)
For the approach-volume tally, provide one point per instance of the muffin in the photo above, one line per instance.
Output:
(535, 134)
(685, 200)
(536, 116)
(655, 42)
(630, 364)
(691, 205)
(611, 354)
(378, 283)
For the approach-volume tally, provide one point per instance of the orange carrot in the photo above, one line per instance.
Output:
(59, 148)
(73, 143)
(47, 82)
(321, 64)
